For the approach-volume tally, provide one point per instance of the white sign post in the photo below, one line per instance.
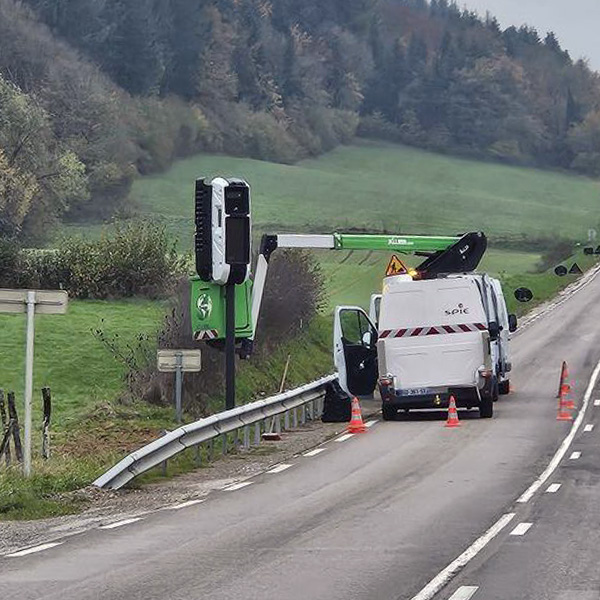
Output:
(52, 302)
(179, 362)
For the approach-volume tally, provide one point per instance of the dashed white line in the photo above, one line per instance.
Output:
(564, 447)
(553, 488)
(464, 592)
(314, 452)
(370, 423)
(345, 437)
(588, 428)
(575, 456)
(280, 468)
(183, 505)
(33, 550)
(238, 486)
(597, 402)
(521, 529)
(121, 523)
(440, 580)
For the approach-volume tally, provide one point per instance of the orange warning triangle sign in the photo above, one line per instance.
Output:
(395, 267)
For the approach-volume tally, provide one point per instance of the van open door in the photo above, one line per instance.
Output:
(355, 350)
(374, 308)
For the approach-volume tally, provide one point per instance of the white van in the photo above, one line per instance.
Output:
(431, 339)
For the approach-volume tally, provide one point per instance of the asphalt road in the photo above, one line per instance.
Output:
(377, 515)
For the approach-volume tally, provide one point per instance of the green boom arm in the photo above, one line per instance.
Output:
(444, 254)
(397, 243)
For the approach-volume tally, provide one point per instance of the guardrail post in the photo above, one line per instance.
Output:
(286, 420)
(211, 449)
(224, 443)
(277, 423)
(163, 464)
(257, 433)
(313, 408)
(295, 418)
(198, 457)
(246, 437)
(236, 439)
(303, 414)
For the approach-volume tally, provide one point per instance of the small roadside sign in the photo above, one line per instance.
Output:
(47, 302)
(188, 360)
(575, 270)
(31, 302)
(178, 362)
(395, 267)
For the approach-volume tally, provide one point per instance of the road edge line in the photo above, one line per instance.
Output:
(566, 444)
(444, 577)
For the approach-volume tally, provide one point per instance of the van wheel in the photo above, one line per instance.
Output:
(504, 388)
(389, 413)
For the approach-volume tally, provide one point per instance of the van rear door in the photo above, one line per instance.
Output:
(355, 350)
(431, 333)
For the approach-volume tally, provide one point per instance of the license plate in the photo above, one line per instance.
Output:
(417, 392)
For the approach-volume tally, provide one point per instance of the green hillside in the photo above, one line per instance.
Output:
(376, 186)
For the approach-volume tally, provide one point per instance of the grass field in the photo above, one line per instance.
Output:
(390, 187)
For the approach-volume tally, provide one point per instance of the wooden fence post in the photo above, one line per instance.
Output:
(47, 397)
(5, 440)
(14, 417)
(5, 428)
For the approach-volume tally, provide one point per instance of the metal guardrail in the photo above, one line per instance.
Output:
(265, 415)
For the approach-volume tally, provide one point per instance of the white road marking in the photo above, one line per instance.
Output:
(314, 452)
(345, 437)
(33, 550)
(588, 428)
(564, 447)
(238, 486)
(575, 456)
(121, 523)
(440, 580)
(280, 468)
(370, 423)
(464, 592)
(521, 529)
(596, 402)
(184, 505)
(553, 488)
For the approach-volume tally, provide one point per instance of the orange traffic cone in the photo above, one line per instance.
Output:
(568, 403)
(563, 412)
(564, 375)
(356, 421)
(452, 414)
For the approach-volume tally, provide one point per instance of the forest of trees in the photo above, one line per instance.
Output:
(95, 92)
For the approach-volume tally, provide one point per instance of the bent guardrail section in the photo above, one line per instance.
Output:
(308, 397)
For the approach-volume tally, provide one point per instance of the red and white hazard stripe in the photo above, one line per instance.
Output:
(207, 334)
(437, 330)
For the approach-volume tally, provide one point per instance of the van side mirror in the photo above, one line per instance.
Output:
(512, 323)
(494, 330)
(369, 338)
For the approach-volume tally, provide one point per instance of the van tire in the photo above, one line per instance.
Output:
(504, 388)
(389, 413)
